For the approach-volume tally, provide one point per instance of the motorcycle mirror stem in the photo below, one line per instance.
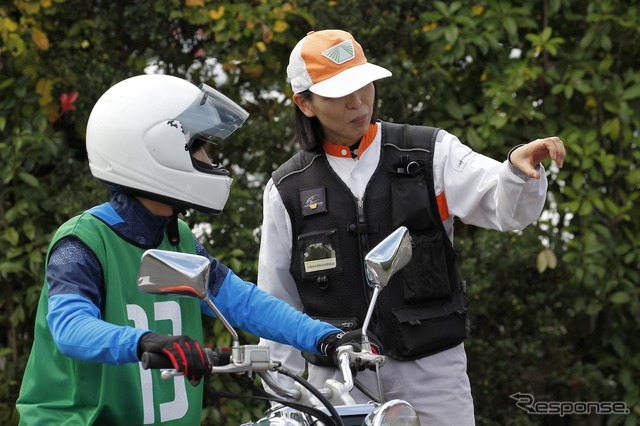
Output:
(160, 270)
(381, 263)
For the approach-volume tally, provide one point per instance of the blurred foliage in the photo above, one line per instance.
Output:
(555, 308)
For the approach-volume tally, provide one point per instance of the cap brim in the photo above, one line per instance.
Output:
(349, 80)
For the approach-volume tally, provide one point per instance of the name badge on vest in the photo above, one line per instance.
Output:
(319, 257)
(313, 201)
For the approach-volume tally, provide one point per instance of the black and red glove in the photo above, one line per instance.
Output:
(185, 354)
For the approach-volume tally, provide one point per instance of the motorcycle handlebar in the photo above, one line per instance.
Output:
(152, 360)
(216, 357)
(251, 358)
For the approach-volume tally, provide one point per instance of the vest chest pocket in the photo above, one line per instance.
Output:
(319, 253)
(410, 204)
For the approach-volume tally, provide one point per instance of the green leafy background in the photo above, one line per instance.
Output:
(555, 308)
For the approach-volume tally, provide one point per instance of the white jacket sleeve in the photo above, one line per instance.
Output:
(273, 269)
(483, 192)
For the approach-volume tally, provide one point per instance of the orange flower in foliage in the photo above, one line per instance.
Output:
(67, 100)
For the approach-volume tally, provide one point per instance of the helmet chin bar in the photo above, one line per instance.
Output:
(176, 205)
(216, 169)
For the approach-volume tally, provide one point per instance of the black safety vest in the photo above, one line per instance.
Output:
(423, 309)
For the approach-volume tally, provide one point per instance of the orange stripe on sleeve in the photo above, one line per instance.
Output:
(443, 209)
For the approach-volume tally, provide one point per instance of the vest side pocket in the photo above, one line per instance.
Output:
(425, 277)
(420, 332)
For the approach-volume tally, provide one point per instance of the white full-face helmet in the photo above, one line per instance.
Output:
(142, 134)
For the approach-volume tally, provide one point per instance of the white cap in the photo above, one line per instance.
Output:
(332, 64)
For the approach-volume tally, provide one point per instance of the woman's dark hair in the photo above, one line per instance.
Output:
(308, 130)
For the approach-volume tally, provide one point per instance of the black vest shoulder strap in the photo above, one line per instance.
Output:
(407, 136)
(293, 165)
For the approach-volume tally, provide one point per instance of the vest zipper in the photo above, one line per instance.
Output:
(363, 244)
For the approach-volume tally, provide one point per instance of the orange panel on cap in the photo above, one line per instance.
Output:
(320, 67)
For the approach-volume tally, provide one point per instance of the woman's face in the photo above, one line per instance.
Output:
(344, 120)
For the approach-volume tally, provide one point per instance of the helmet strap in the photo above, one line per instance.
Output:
(172, 228)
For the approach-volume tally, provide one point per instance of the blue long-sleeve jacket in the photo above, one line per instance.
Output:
(76, 291)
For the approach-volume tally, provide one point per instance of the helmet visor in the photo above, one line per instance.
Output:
(211, 117)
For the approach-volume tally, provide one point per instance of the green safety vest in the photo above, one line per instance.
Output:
(59, 390)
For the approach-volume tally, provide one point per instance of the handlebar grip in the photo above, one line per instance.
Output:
(154, 361)
(216, 357)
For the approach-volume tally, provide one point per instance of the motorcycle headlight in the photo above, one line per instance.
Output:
(395, 412)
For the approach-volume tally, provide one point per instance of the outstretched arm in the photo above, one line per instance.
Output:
(525, 157)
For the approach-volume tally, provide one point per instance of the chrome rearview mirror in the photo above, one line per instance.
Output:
(388, 257)
(171, 273)
(385, 259)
